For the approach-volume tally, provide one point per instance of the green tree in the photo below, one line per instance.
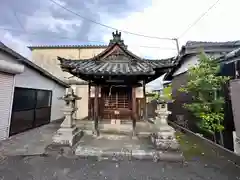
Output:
(205, 86)
(166, 94)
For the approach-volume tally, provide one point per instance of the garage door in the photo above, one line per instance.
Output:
(31, 108)
(6, 90)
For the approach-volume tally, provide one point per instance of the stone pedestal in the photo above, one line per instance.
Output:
(67, 136)
(163, 136)
(68, 132)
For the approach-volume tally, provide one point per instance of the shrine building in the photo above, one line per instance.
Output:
(118, 78)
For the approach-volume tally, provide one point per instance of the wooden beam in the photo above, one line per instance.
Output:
(134, 115)
(96, 113)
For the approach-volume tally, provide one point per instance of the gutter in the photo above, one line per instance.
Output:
(75, 82)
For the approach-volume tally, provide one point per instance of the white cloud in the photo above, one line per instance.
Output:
(16, 44)
(162, 18)
(43, 20)
(169, 18)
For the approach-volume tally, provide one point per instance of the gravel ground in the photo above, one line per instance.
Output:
(66, 168)
(201, 162)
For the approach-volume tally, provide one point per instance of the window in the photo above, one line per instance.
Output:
(43, 98)
(31, 108)
(24, 99)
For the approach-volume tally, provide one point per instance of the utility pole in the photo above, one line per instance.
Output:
(177, 44)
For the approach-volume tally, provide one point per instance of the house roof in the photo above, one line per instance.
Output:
(66, 46)
(211, 44)
(231, 57)
(194, 47)
(27, 62)
(116, 59)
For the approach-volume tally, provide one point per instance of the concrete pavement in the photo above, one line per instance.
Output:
(201, 162)
(63, 168)
(32, 142)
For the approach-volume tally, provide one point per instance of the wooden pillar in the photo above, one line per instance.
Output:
(96, 112)
(89, 102)
(144, 102)
(134, 115)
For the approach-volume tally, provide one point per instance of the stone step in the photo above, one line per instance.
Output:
(118, 132)
(115, 155)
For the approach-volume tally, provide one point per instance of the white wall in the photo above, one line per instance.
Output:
(191, 61)
(31, 78)
(82, 105)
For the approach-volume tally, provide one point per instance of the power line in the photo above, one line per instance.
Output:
(156, 47)
(199, 18)
(37, 34)
(68, 38)
(21, 25)
(107, 26)
(18, 20)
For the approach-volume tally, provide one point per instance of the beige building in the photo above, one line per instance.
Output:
(46, 57)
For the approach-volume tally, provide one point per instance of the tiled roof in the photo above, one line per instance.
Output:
(116, 59)
(31, 64)
(116, 67)
(206, 43)
(66, 46)
(232, 56)
(193, 47)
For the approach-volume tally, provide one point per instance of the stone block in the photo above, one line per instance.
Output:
(67, 136)
(165, 144)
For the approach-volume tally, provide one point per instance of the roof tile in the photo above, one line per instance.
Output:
(113, 68)
(67, 46)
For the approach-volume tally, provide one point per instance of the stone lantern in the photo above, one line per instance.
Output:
(163, 136)
(68, 132)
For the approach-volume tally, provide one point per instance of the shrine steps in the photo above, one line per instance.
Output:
(125, 128)
(123, 147)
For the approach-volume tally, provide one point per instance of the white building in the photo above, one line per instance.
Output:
(28, 94)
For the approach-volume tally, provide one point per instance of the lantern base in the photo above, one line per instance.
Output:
(67, 136)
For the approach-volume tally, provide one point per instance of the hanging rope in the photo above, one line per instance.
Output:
(110, 91)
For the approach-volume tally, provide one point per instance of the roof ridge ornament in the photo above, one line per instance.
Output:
(117, 39)
(116, 35)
